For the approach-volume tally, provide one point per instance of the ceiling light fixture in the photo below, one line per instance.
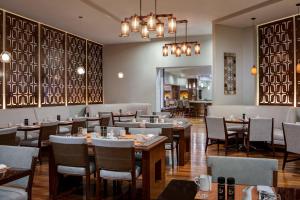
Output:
(5, 57)
(178, 48)
(148, 23)
(253, 68)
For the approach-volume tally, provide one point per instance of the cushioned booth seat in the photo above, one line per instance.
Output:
(10, 193)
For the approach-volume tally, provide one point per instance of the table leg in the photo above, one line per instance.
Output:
(153, 171)
(25, 135)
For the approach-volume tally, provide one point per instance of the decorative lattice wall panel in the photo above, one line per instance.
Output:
(52, 59)
(94, 73)
(76, 57)
(298, 57)
(22, 72)
(276, 63)
(1, 65)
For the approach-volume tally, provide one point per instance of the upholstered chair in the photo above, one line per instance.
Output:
(115, 160)
(260, 130)
(292, 139)
(216, 130)
(8, 136)
(77, 123)
(47, 129)
(71, 158)
(246, 171)
(18, 157)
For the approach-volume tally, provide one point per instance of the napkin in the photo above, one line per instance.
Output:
(247, 193)
(266, 189)
(2, 166)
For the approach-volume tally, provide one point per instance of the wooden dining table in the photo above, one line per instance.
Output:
(153, 166)
(12, 174)
(184, 139)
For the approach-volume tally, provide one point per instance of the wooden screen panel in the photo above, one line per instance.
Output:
(1, 65)
(276, 63)
(22, 72)
(94, 73)
(297, 18)
(52, 59)
(76, 57)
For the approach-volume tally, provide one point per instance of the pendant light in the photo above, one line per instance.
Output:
(135, 23)
(151, 22)
(197, 49)
(5, 57)
(178, 51)
(144, 31)
(160, 29)
(165, 50)
(184, 45)
(188, 51)
(253, 68)
(174, 46)
(171, 25)
(125, 28)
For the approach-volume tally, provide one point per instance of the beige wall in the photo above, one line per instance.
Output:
(242, 42)
(138, 62)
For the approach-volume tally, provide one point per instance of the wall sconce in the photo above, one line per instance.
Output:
(5, 57)
(80, 70)
(254, 70)
(120, 75)
(298, 67)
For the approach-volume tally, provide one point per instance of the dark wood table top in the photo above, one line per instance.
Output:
(12, 174)
(187, 190)
(123, 114)
(29, 128)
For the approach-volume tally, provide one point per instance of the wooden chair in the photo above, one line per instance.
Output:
(115, 160)
(104, 121)
(78, 123)
(292, 138)
(260, 130)
(18, 157)
(47, 129)
(122, 118)
(8, 136)
(216, 129)
(246, 171)
(171, 143)
(71, 158)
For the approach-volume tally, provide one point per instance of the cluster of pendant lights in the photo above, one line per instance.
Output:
(180, 48)
(146, 24)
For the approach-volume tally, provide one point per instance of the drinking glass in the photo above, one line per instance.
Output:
(204, 185)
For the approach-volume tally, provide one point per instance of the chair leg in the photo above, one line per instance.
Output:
(218, 145)
(133, 189)
(98, 186)
(273, 149)
(177, 152)
(40, 156)
(248, 147)
(284, 160)
(172, 156)
(114, 187)
(87, 186)
(206, 144)
(105, 187)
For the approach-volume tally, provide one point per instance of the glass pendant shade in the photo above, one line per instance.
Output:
(165, 50)
(144, 31)
(253, 70)
(183, 48)
(188, 51)
(178, 51)
(173, 49)
(135, 23)
(172, 25)
(5, 57)
(151, 22)
(197, 49)
(160, 30)
(298, 68)
(125, 28)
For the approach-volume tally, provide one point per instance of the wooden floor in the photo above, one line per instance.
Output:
(197, 165)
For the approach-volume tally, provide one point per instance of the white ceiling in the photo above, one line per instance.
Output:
(189, 72)
(101, 17)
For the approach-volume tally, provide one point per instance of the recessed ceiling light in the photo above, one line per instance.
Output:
(120, 75)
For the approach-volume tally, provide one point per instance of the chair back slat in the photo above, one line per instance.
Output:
(77, 124)
(261, 129)
(291, 137)
(70, 151)
(114, 155)
(46, 130)
(215, 127)
(168, 132)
